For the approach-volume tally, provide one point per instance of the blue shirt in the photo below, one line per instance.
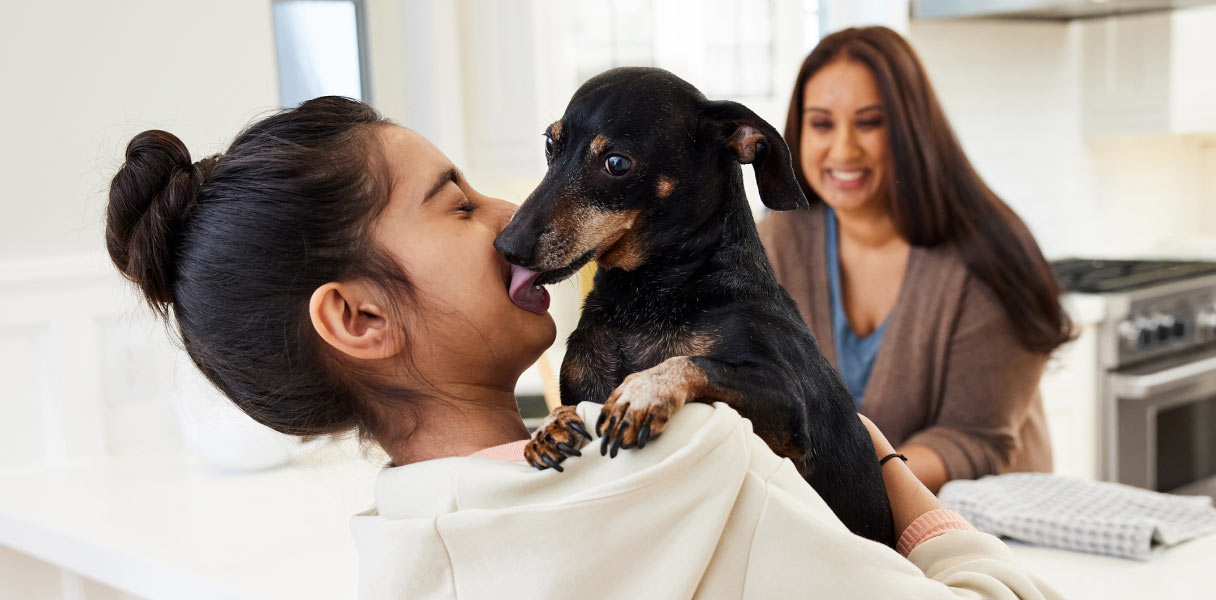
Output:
(854, 354)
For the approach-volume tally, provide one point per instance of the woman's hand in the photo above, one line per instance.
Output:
(908, 496)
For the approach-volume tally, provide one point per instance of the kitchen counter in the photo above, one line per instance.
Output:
(1186, 571)
(171, 527)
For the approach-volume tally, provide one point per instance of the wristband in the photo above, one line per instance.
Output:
(884, 459)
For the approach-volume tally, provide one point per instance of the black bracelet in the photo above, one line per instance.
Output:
(884, 459)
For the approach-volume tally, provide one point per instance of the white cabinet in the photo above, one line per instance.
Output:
(1149, 74)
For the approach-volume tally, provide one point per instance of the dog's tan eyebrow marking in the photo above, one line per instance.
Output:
(665, 187)
(597, 145)
(555, 130)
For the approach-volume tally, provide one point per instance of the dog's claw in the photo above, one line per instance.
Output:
(616, 443)
(536, 466)
(551, 463)
(604, 439)
(643, 436)
(598, 424)
(568, 449)
(579, 429)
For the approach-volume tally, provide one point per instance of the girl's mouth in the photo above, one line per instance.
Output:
(525, 293)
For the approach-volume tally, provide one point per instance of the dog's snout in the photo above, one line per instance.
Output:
(514, 245)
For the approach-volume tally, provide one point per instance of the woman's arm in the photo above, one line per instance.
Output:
(990, 386)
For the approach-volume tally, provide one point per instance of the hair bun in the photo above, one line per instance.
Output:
(150, 199)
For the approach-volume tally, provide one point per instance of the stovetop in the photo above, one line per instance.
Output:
(1103, 276)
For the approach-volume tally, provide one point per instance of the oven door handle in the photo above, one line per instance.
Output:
(1142, 386)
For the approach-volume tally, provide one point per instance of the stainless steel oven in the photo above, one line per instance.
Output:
(1165, 423)
(1157, 365)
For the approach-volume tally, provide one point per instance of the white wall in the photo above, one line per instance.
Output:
(85, 369)
(81, 78)
(1012, 92)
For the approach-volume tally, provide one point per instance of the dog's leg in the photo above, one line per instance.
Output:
(638, 410)
(592, 366)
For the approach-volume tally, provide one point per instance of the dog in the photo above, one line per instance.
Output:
(644, 178)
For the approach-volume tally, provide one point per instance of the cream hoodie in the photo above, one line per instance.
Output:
(704, 511)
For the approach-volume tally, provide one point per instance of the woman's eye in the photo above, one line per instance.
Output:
(548, 146)
(821, 124)
(870, 124)
(618, 165)
(467, 207)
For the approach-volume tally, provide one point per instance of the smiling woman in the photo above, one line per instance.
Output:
(927, 292)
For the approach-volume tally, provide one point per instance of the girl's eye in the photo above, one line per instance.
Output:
(821, 124)
(467, 207)
(870, 124)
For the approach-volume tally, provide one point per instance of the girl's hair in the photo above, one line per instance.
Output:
(235, 244)
(936, 195)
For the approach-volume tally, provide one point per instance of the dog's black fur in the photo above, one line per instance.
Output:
(685, 306)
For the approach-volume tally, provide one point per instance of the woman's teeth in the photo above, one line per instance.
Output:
(846, 175)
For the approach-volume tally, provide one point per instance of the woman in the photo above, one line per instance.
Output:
(332, 271)
(925, 290)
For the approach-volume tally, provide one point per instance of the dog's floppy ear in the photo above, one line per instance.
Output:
(751, 140)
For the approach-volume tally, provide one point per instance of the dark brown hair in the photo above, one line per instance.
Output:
(234, 245)
(936, 195)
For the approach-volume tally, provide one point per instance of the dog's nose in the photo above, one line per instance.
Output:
(514, 247)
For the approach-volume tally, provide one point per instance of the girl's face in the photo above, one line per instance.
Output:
(463, 326)
(844, 137)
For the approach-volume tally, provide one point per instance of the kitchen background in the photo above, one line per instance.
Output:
(1100, 132)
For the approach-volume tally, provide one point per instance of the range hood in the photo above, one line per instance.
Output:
(1051, 10)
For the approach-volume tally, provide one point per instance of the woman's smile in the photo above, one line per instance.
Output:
(847, 179)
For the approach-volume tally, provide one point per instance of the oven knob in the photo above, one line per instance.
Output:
(1136, 332)
(1206, 320)
(1165, 328)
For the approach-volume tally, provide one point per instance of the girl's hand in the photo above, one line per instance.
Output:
(908, 496)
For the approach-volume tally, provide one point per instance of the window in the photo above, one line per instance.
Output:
(320, 51)
(727, 48)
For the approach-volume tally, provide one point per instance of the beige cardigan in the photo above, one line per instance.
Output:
(950, 373)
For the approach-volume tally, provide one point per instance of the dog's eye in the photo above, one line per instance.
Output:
(548, 146)
(618, 165)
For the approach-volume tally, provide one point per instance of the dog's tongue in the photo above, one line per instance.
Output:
(525, 294)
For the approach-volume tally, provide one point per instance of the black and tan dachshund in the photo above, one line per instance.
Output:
(644, 178)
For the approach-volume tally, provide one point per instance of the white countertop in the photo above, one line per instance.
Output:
(170, 527)
(1186, 571)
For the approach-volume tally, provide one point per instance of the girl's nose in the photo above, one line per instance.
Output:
(502, 212)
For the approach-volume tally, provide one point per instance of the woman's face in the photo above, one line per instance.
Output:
(844, 137)
(464, 326)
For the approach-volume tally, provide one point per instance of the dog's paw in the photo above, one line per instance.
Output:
(560, 435)
(638, 409)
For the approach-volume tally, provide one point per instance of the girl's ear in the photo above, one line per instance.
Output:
(348, 318)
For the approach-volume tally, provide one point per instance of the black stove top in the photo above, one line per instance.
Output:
(1101, 276)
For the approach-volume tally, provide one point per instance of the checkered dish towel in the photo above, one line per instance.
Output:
(1075, 514)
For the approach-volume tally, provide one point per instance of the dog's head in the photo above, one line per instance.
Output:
(639, 159)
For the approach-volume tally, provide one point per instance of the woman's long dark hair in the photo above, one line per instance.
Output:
(234, 245)
(936, 195)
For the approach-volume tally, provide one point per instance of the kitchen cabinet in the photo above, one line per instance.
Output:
(1149, 74)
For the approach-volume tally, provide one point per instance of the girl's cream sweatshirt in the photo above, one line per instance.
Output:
(704, 511)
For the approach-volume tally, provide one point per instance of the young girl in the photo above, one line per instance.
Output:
(332, 271)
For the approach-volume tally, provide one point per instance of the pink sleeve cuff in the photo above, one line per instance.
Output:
(929, 526)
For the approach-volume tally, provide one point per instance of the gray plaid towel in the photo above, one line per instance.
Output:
(1075, 514)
